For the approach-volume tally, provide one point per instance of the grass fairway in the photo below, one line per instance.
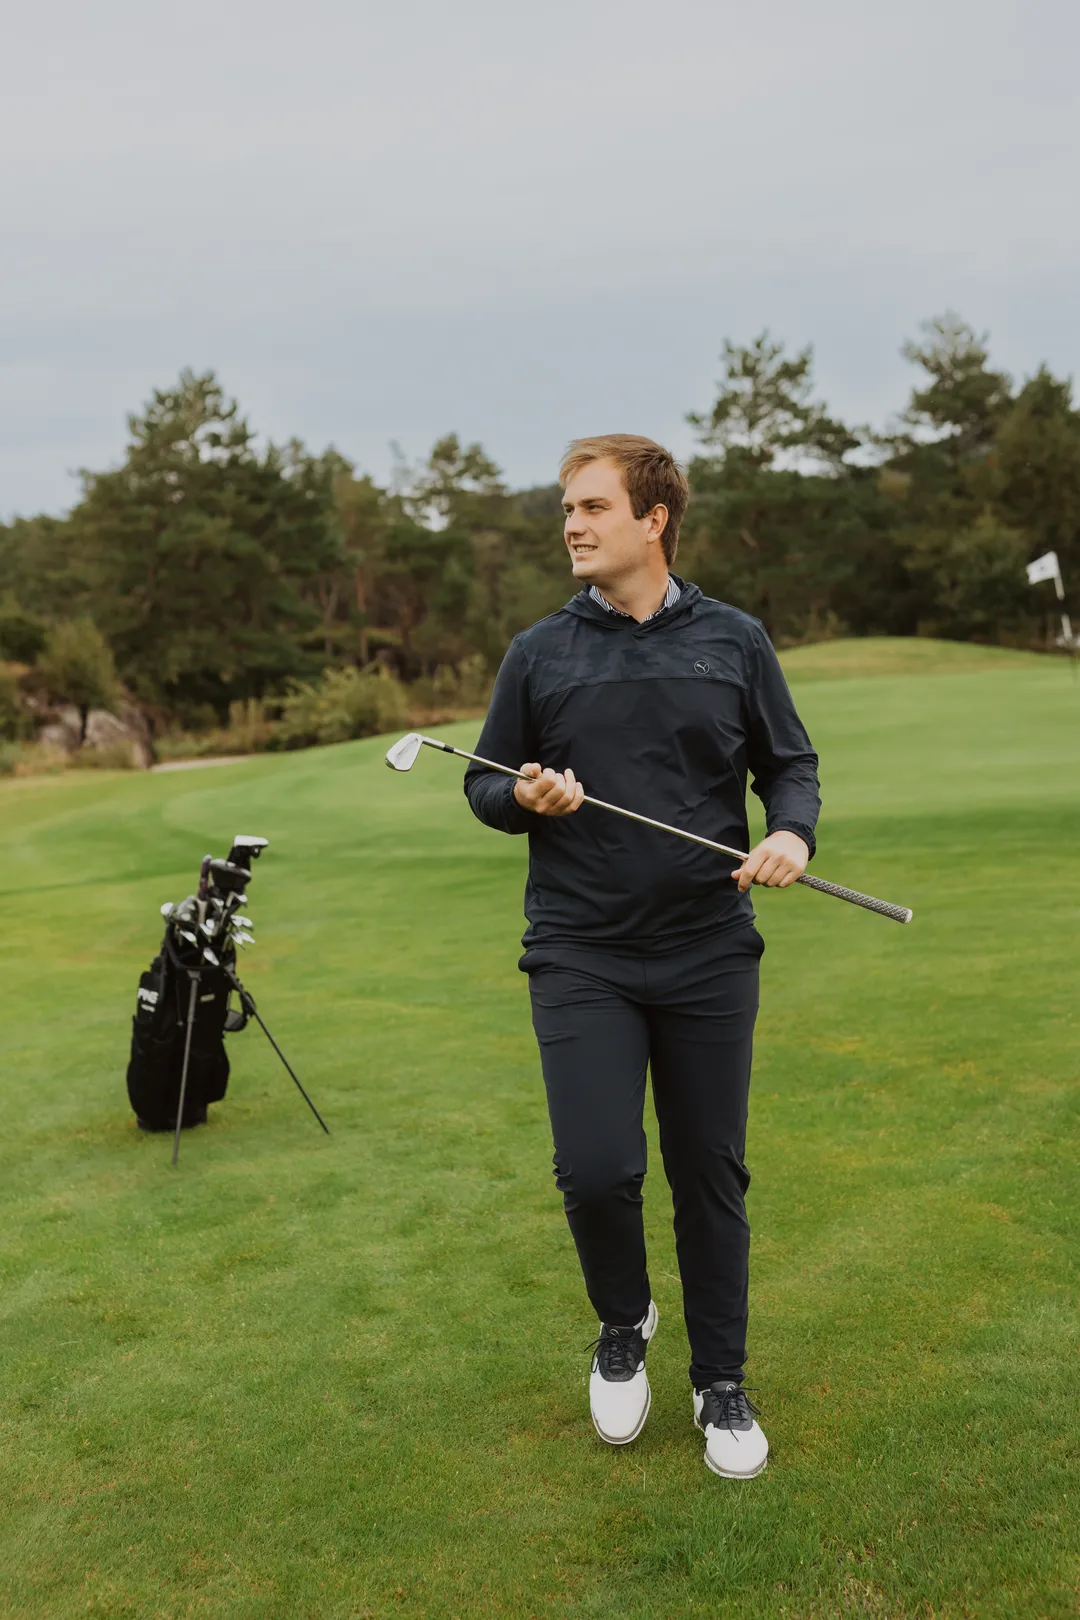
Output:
(342, 1377)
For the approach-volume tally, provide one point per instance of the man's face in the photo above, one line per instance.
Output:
(605, 540)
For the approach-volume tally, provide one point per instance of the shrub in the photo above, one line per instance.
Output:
(250, 730)
(113, 756)
(31, 759)
(345, 703)
(466, 685)
(77, 665)
(188, 745)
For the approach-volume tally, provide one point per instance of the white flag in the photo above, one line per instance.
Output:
(1044, 567)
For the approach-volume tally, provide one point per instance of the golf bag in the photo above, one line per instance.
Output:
(158, 1037)
(178, 1064)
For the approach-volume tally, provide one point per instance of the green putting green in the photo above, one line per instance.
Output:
(346, 1376)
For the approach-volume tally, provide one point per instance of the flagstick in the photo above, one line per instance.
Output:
(1047, 567)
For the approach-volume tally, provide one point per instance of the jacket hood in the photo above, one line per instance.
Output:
(585, 608)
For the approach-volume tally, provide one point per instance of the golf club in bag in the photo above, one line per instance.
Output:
(178, 1063)
(402, 757)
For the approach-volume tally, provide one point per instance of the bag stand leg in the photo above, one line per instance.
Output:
(192, 1003)
(247, 1002)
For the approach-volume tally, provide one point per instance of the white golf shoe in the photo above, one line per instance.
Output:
(619, 1393)
(734, 1445)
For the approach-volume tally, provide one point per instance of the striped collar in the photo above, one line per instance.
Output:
(670, 598)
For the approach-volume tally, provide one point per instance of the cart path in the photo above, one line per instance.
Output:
(198, 764)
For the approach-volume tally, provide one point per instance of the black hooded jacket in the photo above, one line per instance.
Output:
(665, 718)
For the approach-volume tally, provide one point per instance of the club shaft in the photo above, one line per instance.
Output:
(883, 908)
(192, 1003)
(602, 804)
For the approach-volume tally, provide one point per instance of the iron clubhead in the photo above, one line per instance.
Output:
(402, 756)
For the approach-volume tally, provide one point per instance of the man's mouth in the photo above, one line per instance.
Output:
(582, 550)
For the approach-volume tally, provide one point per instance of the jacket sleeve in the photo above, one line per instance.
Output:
(781, 760)
(508, 739)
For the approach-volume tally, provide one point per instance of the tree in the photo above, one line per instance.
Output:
(77, 666)
(437, 573)
(963, 403)
(221, 570)
(363, 520)
(1037, 467)
(455, 481)
(764, 409)
(457, 553)
(14, 720)
(22, 635)
(198, 548)
(958, 552)
(778, 518)
(422, 591)
(973, 578)
(38, 570)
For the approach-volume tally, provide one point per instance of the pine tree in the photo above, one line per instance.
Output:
(197, 550)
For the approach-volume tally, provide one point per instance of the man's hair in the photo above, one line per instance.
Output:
(651, 474)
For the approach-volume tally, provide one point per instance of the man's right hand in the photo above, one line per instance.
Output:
(549, 793)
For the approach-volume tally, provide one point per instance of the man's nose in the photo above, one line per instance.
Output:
(574, 525)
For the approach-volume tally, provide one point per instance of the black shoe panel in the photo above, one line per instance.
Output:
(620, 1353)
(727, 1406)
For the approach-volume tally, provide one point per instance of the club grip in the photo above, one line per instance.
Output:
(900, 914)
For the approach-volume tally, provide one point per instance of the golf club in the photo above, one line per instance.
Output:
(402, 757)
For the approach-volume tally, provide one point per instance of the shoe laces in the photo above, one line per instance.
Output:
(618, 1352)
(725, 1406)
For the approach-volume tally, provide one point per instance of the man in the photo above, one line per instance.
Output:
(641, 951)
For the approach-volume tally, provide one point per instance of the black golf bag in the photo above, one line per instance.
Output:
(159, 1033)
(182, 1014)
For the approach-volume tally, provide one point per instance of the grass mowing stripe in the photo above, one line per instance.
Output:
(345, 1377)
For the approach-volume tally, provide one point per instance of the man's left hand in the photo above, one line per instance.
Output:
(776, 862)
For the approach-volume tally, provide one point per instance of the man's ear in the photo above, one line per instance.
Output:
(658, 519)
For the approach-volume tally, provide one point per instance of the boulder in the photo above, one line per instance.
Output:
(63, 729)
(103, 730)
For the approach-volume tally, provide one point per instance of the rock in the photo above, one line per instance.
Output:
(103, 730)
(63, 730)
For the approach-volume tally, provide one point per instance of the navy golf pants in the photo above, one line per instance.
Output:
(601, 1021)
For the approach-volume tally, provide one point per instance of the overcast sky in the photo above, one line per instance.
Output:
(384, 222)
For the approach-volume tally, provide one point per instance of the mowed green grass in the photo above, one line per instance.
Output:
(346, 1376)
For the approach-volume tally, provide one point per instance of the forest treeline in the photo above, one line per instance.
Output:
(209, 570)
